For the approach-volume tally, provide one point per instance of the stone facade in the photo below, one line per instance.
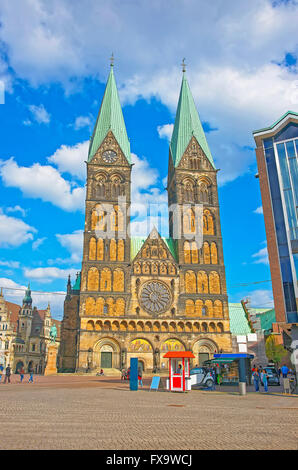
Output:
(170, 294)
(25, 335)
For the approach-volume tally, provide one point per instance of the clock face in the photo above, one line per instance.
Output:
(109, 156)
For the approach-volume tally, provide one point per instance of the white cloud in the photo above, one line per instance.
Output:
(40, 114)
(36, 244)
(235, 78)
(73, 242)
(10, 264)
(261, 257)
(48, 274)
(148, 200)
(82, 121)
(16, 209)
(14, 232)
(259, 210)
(48, 184)
(71, 159)
(165, 131)
(261, 298)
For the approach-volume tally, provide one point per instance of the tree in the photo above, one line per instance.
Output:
(274, 351)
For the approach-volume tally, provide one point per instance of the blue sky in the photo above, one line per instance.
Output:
(54, 61)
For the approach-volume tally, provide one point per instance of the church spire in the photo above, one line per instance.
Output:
(187, 124)
(110, 118)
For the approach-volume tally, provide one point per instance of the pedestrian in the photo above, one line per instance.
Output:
(284, 371)
(21, 372)
(123, 374)
(264, 380)
(256, 378)
(140, 375)
(1, 371)
(279, 372)
(30, 370)
(7, 374)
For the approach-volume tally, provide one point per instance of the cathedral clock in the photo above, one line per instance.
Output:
(109, 156)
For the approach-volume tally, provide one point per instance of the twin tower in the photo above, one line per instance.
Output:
(141, 297)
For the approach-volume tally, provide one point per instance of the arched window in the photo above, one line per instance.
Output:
(214, 283)
(190, 282)
(120, 250)
(189, 225)
(209, 307)
(202, 282)
(218, 312)
(113, 250)
(100, 249)
(90, 306)
(106, 280)
(194, 253)
(120, 307)
(187, 257)
(208, 223)
(189, 307)
(118, 281)
(100, 305)
(214, 258)
(93, 280)
(206, 253)
(92, 249)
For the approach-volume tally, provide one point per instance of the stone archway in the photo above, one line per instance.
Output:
(106, 354)
(143, 350)
(204, 349)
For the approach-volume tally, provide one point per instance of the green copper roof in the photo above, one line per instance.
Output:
(136, 244)
(187, 124)
(110, 117)
(77, 284)
(238, 321)
(27, 299)
(276, 122)
(267, 318)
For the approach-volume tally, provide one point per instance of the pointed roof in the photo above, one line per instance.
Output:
(110, 118)
(187, 124)
(27, 299)
(137, 243)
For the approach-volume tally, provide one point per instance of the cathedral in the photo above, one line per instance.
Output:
(141, 297)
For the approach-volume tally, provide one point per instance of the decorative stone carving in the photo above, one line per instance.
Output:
(155, 297)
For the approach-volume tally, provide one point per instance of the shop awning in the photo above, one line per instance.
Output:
(219, 361)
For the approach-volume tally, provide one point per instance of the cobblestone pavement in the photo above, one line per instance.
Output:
(83, 412)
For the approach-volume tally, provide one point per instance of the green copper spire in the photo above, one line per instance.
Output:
(27, 299)
(110, 117)
(187, 124)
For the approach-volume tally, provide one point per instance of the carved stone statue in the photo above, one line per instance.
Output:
(53, 334)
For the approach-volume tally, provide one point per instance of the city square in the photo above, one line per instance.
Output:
(148, 225)
(101, 413)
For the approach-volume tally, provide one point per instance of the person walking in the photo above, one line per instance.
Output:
(256, 379)
(22, 373)
(140, 375)
(1, 371)
(264, 380)
(7, 374)
(284, 371)
(30, 370)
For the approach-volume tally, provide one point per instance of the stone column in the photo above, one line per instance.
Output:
(51, 367)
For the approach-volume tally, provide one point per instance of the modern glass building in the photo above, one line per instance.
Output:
(277, 153)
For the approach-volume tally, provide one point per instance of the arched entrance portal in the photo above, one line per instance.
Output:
(18, 366)
(106, 354)
(204, 349)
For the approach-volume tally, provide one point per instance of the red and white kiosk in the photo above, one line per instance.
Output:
(179, 377)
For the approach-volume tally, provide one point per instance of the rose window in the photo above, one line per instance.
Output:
(155, 297)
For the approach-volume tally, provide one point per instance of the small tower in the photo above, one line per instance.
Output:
(47, 321)
(26, 315)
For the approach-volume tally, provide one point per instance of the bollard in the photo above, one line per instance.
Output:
(133, 375)
(242, 376)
